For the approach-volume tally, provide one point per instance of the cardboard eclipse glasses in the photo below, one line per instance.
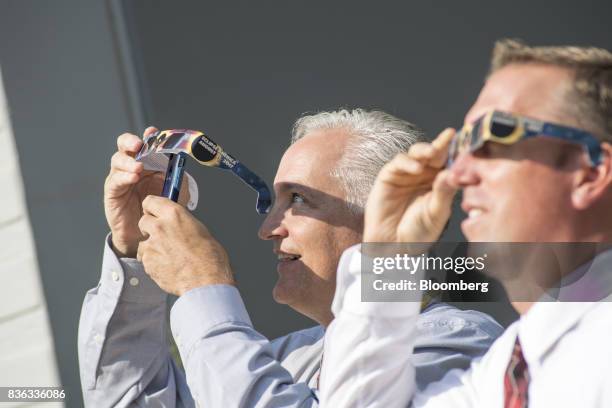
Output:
(506, 128)
(179, 143)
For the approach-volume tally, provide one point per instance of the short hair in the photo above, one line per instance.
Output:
(376, 137)
(591, 91)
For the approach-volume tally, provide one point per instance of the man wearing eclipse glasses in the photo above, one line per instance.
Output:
(534, 162)
(320, 188)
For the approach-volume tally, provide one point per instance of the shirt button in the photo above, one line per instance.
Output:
(115, 276)
(98, 338)
(134, 281)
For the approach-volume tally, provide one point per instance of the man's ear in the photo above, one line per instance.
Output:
(595, 182)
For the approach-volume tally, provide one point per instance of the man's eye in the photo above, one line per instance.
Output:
(296, 198)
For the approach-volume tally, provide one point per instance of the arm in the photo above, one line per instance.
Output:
(369, 346)
(123, 356)
(368, 358)
(363, 365)
(123, 352)
(449, 338)
(228, 363)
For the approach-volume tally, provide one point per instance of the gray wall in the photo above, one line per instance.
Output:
(25, 329)
(241, 71)
(67, 104)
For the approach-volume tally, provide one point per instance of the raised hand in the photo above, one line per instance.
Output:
(412, 197)
(126, 186)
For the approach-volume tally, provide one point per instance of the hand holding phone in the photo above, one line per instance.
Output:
(174, 176)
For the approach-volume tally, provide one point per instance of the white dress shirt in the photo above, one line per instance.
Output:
(367, 363)
(125, 362)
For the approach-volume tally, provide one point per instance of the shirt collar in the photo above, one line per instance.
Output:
(546, 322)
(590, 282)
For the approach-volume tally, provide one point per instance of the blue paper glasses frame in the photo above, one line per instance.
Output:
(177, 144)
(506, 128)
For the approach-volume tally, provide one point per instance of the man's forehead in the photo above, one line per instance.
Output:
(311, 159)
(530, 89)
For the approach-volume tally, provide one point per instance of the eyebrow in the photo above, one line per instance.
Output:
(284, 186)
(307, 192)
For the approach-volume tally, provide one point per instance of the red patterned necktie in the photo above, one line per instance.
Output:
(516, 380)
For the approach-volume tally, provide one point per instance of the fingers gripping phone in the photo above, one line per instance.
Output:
(174, 176)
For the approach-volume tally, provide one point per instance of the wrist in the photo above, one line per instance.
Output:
(209, 281)
(123, 249)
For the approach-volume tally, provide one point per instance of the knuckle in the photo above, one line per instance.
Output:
(416, 148)
(387, 167)
(114, 158)
(155, 228)
(409, 161)
(108, 180)
(124, 140)
(396, 161)
(420, 145)
(173, 212)
(146, 201)
(121, 139)
(117, 160)
(141, 223)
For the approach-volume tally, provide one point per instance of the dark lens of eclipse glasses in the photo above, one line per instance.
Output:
(503, 126)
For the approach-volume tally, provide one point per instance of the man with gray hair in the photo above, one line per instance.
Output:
(321, 187)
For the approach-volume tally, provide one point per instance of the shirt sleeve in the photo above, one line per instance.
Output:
(124, 358)
(368, 352)
(228, 363)
(449, 338)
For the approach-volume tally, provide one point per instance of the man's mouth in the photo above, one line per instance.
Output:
(474, 215)
(287, 262)
(284, 257)
(475, 212)
(472, 209)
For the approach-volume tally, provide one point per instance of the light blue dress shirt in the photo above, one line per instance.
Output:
(125, 361)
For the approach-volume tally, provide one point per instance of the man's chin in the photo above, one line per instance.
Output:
(281, 295)
(278, 297)
(480, 235)
(288, 293)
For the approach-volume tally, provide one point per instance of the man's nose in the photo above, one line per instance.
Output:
(273, 226)
(465, 170)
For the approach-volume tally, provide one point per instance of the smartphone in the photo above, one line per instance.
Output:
(174, 176)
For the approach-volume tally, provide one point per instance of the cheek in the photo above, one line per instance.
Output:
(321, 245)
(316, 246)
(334, 241)
(534, 199)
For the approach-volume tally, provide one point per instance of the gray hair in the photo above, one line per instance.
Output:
(376, 137)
